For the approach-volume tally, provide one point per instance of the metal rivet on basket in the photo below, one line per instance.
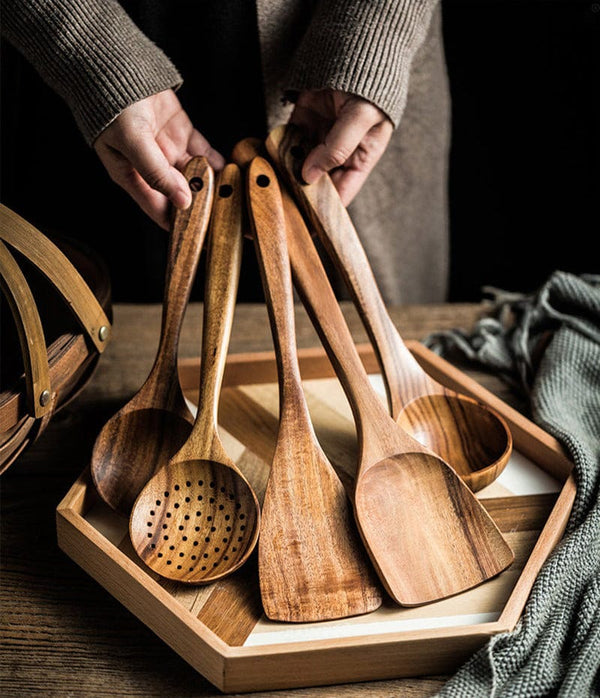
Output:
(44, 398)
(103, 333)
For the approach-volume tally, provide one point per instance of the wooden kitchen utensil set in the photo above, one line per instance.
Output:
(418, 530)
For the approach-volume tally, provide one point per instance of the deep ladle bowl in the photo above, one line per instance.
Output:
(469, 435)
(153, 425)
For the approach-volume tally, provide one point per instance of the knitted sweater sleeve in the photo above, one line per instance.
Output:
(364, 47)
(91, 53)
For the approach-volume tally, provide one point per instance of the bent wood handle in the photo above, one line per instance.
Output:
(268, 225)
(31, 334)
(57, 268)
(403, 377)
(223, 261)
(188, 230)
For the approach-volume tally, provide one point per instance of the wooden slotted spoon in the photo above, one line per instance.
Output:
(312, 565)
(152, 426)
(427, 534)
(197, 520)
(471, 436)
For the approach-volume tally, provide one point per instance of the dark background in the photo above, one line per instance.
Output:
(524, 168)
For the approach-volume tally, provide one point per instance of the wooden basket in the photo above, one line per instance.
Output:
(58, 294)
(220, 629)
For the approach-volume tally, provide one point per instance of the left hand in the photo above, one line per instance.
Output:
(352, 134)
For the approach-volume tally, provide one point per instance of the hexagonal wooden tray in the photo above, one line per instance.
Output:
(220, 629)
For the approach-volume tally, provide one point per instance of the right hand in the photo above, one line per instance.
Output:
(145, 148)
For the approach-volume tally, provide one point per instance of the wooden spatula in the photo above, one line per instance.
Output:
(471, 436)
(312, 565)
(426, 533)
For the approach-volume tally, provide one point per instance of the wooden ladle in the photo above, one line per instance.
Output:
(427, 534)
(197, 520)
(312, 565)
(471, 436)
(152, 426)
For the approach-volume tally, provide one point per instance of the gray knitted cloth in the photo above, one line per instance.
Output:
(555, 648)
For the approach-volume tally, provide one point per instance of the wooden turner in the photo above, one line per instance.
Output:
(427, 534)
(471, 436)
(311, 563)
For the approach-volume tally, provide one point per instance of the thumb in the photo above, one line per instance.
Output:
(354, 121)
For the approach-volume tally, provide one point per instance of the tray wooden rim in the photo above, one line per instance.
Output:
(225, 665)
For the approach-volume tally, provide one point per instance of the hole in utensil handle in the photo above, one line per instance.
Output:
(196, 183)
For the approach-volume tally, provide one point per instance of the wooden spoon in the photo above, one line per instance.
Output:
(426, 533)
(312, 565)
(152, 426)
(471, 436)
(197, 520)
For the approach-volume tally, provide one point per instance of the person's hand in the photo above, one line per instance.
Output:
(352, 134)
(145, 148)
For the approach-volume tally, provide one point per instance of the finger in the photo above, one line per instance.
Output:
(348, 183)
(349, 179)
(148, 159)
(153, 203)
(349, 129)
(198, 145)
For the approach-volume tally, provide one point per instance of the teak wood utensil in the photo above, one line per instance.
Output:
(312, 565)
(471, 436)
(426, 533)
(197, 520)
(144, 434)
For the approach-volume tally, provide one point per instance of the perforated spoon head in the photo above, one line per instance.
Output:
(195, 522)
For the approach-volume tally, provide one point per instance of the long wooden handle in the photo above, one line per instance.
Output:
(58, 269)
(403, 377)
(223, 263)
(319, 299)
(268, 224)
(187, 236)
(31, 334)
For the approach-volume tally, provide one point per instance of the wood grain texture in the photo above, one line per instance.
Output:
(470, 436)
(31, 334)
(55, 615)
(234, 606)
(59, 270)
(152, 426)
(311, 563)
(426, 533)
(197, 520)
(55, 368)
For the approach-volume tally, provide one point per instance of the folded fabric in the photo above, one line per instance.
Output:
(548, 344)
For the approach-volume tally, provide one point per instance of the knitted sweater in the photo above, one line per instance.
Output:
(93, 55)
(390, 52)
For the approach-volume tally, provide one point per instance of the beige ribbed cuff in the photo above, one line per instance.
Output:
(91, 53)
(364, 47)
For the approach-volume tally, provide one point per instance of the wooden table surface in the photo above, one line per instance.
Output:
(63, 634)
